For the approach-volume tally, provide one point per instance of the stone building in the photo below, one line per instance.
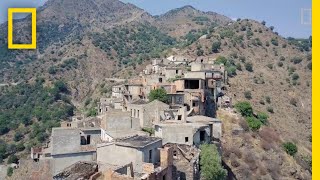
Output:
(183, 133)
(162, 170)
(68, 146)
(147, 113)
(135, 149)
(117, 123)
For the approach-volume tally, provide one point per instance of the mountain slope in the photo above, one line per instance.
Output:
(179, 22)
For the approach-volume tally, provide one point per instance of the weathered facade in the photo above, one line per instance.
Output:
(135, 149)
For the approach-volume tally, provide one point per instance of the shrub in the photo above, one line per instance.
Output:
(216, 46)
(247, 95)
(17, 136)
(263, 117)
(262, 102)
(13, 159)
(270, 66)
(253, 123)
(148, 130)
(284, 45)
(263, 23)
(244, 108)
(296, 60)
(200, 52)
(268, 99)
(210, 163)
(275, 42)
(159, 94)
(221, 60)
(291, 70)
(309, 66)
(232, 71)
(280, 64)
(52, 70)
(242, 58)
(239, 67)
(9, 171)
(248, 66)
(290, 148)
(20, 147)
(267, 44)
(282, 58)
(270, 109)
(293, 102)
(295, 76)
(92, 112)
(271, 28)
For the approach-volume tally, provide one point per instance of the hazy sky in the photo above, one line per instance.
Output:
(284, 15)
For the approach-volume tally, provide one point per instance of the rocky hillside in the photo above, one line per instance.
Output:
(83, 42)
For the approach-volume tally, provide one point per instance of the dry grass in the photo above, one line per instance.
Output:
(244, 125)
(269, 135)
(266, 145)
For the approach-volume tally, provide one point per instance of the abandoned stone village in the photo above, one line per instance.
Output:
(135, 138)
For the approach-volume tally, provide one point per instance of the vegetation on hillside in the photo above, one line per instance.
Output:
(133, 45)
(253, 121)
(210, 163)
(31, 110)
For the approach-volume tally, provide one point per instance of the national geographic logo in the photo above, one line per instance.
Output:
(33, 12)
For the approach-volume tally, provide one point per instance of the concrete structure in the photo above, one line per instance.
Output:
(183, 133)
(163, 170)
(147, 113)
(214, 124)
(89, 122)
(117, 123)
(135, 149)
(68, 146)
(117, 91)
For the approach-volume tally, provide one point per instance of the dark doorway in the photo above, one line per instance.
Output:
(150, 156)
(202, 136)
(88, 139)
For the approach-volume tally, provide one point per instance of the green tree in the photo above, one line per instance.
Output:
(216, 46)
(244, 108)
(159, 94)
(9, 171)
(253, 123)
(221, 60)
(263, 117)
(13, 159)
(290, 148)
(210, 163)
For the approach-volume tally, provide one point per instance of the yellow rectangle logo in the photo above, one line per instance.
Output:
(33, 12)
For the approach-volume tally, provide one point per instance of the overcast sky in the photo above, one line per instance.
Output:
(284, 15)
